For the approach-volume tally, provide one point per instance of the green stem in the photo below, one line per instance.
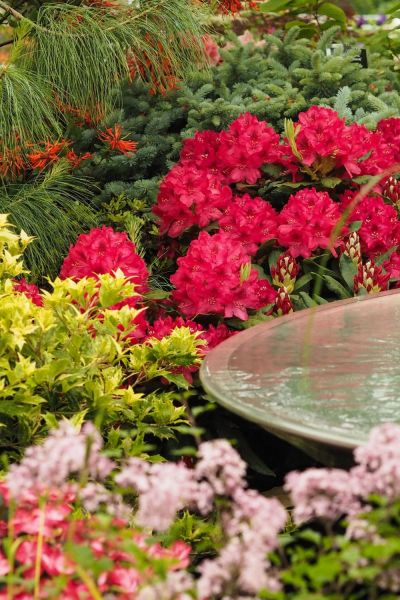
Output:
(11, 554)
(88, 581)
(39, 549)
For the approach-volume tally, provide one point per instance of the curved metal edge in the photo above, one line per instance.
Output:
(220, 357)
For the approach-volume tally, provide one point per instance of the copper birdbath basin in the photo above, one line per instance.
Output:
(320, 378)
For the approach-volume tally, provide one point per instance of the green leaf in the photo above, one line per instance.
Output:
(319, 299)
(308, 301)
(157, 295)
(273, 257)
(302, 281)
(348, 270)
(336, 287)
(274, 5)
(355, 226)
(379, 260)
(333, 12)
(331, 182)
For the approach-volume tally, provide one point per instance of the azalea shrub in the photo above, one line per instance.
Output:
(94, 345)
(258, 224)
(75, 524)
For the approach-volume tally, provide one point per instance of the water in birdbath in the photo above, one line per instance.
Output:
(321, 378)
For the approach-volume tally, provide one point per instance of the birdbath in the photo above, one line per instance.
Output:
(320, 378)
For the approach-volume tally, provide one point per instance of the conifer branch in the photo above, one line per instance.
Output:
(9, 10)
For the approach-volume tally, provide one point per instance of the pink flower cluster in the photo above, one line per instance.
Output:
(250, 522)
(330, 494)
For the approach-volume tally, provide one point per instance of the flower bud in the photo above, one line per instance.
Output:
(371, 278)
(285, 273)
(391, 190)
(352, 248)
(283, 304)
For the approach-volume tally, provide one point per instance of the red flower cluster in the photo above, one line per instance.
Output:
(196, 191)
(104, 250)
(380, 229)
(307, 222)
(327, 144)
(216, 277)
(250, 221)
(390, 131)
(189, 196)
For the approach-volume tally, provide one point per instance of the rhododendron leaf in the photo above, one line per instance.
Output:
(302, 281)
(308, 301)
(273, 257)
(319, 299)
(348, 270)
(354, 226)
(336, 287)
(331, 182)
(259, 317)
(362, 179)
(379, 260)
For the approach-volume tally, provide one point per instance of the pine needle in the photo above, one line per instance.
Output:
(51, 209)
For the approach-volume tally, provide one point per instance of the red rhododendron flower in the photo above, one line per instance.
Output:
(392, 266)
(390, 131)
(327, 144)
(250, 221)
(188, 197)
(211, 279)
(320, 134)
(245, 147)
(201, 151)
(29, 289)
(215, 335)
(380, 228)
(113, 138)
(307, 222)
(163, 326)
(104, 250)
